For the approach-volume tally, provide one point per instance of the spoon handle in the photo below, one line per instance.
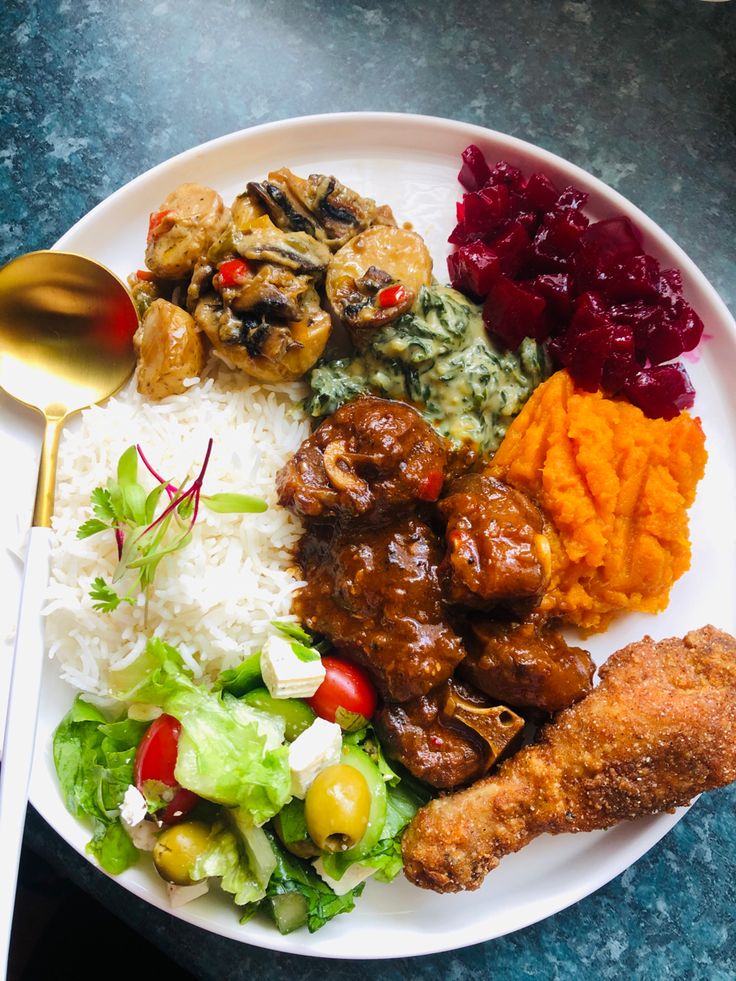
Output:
(20, 725)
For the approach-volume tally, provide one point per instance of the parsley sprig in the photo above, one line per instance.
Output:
(145, 531)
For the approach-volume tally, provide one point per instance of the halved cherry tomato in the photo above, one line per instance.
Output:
(430, 487)
(155, 759)
(346, 695)
(232, 272)
(392, 296)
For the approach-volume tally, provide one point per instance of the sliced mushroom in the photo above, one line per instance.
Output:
(266, 348)
(169, 350)
(245, 210)
(320, 206)
(293, 250)
(183, 228)
(270, 289)
(498, 727)
(361, 274)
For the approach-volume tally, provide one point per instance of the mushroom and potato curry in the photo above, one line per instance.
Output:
(252, 275)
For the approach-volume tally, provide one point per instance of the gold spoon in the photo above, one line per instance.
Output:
(66, 342)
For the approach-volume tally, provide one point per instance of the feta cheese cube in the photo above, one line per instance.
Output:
(314, 750)
(144, 835)
(134, 808)
(285, 674)
(179, 895)
(351, 877)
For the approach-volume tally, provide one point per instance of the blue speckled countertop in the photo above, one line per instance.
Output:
(642, 94)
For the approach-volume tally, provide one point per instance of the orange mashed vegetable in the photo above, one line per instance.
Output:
(615, 487)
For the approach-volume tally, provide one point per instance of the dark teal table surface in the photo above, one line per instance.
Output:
(641, 93)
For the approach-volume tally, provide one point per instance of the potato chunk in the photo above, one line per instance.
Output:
(186, 224)
(170, 349)
(362, 276)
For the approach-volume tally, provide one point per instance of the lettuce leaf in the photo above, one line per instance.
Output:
(94, 764)
(229, 753)
(225, 858)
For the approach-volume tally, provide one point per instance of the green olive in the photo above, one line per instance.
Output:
(177, 849)
(337, 808)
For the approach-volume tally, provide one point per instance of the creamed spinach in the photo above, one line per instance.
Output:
(440, 358)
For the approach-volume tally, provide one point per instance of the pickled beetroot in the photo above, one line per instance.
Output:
(610, 316)
(474, 172)
(661, 392)
(474, 268)
(513, 313)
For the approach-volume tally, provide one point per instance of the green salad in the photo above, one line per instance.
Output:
(440, 358)
(239, 783)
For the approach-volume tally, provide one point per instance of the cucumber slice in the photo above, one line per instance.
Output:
(297, 715)
(377, 818)
(289, 911)
(261, 858)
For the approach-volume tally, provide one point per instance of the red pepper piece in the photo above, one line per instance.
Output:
(155, 222)
(232, 272)
(392, 296)
(430, 487)
(145, 274)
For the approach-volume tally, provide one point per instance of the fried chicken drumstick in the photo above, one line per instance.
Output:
(658, 730)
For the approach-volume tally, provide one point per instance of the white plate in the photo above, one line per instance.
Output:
(411, 162)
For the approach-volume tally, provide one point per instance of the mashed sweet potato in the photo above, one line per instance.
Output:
(616, 487)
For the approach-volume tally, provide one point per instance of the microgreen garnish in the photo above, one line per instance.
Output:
(142, 537)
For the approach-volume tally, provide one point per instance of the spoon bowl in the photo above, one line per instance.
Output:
(66, 342)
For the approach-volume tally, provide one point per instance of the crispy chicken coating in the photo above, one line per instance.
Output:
(657, 731)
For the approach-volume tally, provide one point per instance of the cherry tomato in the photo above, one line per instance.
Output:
(346, 687)
(155, 759)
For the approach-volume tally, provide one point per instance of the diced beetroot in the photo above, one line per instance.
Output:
(556, 288)
(474, 268)
(459, 212)
(540, 192)
(662, 341)
(506, 173)
(635, 278)
(661, 392)
(474, 172)
(614, 239)
(455, 271)
(461, 236)
(557, 240)
(620, 365)
(531, 222)
(591, 311)
(643, 318)
(670, 284)
(586, 356)
(513, 313)
(512, 248)
(485, 211)
(571, 199)
(690, 326)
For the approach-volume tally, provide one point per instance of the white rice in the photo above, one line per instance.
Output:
(215, 598)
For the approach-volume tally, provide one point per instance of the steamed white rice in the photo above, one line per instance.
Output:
(215, 598)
